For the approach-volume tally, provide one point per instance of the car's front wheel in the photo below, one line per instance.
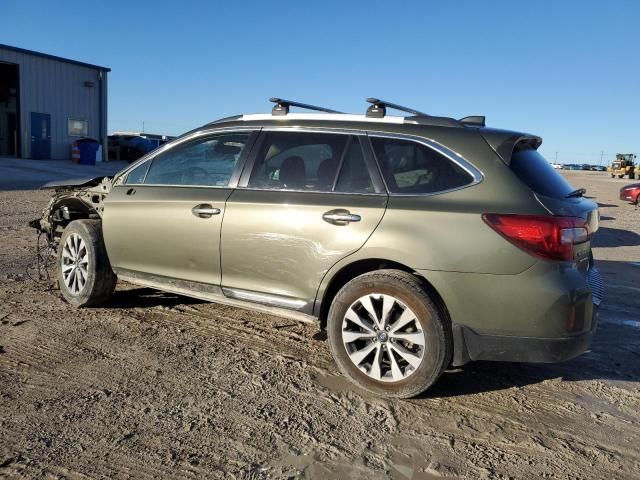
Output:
(84, 272)
(387, 335)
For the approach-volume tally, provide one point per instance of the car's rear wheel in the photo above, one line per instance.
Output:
(84, 272)
(387, 335)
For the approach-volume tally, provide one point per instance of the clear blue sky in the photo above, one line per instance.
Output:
(566, 70)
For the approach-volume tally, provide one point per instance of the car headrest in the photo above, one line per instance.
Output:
(293, 173)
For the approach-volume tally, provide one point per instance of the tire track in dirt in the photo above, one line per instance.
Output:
(220, 329)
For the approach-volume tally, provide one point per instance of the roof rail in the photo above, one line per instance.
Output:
(378, 109)
(281, 107)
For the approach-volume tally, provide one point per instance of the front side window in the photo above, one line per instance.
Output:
(321, 162)
(205, 162)
(136, 176)
(409, 167)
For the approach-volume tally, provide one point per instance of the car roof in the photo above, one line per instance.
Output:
(324, 118)
(502, 142)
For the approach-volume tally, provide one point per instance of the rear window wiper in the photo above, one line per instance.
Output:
(576, 193)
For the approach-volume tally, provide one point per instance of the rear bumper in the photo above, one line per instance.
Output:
(541, 317)
(475, 346)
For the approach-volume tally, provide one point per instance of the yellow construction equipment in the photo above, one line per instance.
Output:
(624, 164)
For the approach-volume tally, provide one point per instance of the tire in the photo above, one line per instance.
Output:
(94, 283)
(429, 330)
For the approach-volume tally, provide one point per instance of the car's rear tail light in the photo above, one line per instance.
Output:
(548, 237)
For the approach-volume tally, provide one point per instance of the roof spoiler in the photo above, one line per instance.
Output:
(475, 120)
(504, 142)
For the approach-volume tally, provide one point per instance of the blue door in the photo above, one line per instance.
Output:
(40, 135)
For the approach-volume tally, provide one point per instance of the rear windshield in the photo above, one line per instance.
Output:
(538, 174)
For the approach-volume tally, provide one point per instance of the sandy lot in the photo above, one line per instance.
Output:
(157, 385)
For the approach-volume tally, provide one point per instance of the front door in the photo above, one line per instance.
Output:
(40, 136)
(162, 225)
(309, 201)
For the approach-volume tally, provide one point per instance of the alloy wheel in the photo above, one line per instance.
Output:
(383, 337)
(75, 264)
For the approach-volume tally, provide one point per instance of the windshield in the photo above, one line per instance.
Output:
(538, 174)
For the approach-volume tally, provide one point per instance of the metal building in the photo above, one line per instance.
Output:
(47, 102)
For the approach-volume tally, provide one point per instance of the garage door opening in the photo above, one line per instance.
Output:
(9, 110)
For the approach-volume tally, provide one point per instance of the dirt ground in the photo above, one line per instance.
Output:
(157, 385)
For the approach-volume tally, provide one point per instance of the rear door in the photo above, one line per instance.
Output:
(309, 199)
(163, 223)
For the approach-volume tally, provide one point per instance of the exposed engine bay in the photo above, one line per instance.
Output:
(73, 200)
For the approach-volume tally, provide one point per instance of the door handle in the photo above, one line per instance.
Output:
(340, 217)
(204, 210)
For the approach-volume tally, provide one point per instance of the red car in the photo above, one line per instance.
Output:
(630, 193)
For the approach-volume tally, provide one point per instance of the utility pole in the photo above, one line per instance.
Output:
(601, 157)
(556, 161)
(142, 126)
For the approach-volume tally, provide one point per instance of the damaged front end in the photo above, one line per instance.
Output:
(72, 200)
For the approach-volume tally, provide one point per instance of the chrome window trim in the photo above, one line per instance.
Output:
(156, 185)
(476, 173)
(256, 189)
(455, 157)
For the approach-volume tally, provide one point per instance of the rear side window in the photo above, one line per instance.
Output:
(320, 162)
(538, 174)
(413, 168)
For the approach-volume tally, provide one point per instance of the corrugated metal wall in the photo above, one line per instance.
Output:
(57, 88)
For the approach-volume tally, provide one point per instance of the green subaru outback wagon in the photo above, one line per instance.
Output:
(418, 242)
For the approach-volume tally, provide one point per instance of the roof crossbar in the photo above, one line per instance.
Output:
(378, 109)
(281, 107)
